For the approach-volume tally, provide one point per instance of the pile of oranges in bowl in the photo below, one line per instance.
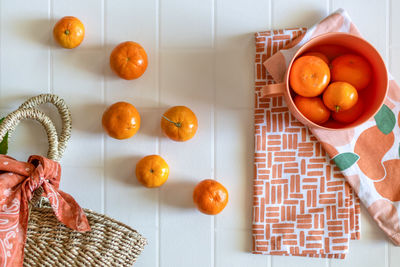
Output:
(330, 89)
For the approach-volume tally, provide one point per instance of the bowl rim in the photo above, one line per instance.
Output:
(309, 43)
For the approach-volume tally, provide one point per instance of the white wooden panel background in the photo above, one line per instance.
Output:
(201, 54)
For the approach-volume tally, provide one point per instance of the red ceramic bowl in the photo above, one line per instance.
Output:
(333, 45)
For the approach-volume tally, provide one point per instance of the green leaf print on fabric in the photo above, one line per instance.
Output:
(345, 160)
(385, 119)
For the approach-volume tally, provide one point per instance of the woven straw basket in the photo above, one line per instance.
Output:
(49, 242)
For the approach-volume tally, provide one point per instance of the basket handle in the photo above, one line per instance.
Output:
(11, 121)
(64, 112)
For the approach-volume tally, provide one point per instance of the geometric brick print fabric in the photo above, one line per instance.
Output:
(302, 205)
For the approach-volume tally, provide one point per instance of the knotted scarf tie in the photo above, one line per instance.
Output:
(18, 181)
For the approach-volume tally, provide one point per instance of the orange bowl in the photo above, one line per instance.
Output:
(333, 45)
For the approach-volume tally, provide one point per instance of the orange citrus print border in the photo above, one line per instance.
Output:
(302, 206)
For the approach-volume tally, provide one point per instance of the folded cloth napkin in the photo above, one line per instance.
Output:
(302, 206)
(18, 181)
(368, 155)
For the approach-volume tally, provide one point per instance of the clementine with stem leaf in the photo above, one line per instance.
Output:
(179, 123)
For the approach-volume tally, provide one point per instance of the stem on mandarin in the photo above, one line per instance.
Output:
(177, 124)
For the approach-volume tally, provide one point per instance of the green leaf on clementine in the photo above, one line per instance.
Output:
(345, 160)
(385, 119)
(4, 142)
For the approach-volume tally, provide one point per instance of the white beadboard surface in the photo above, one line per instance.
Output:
(201, 55)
